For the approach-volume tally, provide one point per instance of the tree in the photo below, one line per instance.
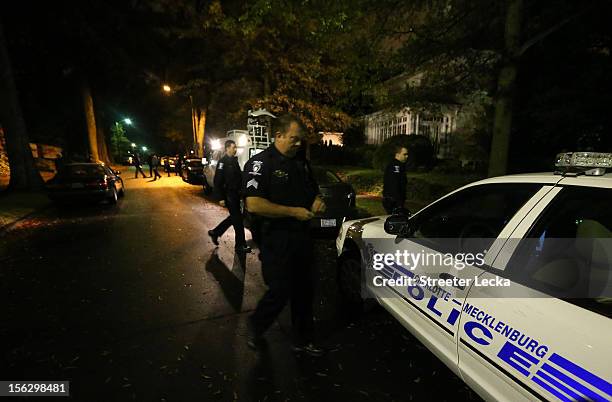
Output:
(24, 175)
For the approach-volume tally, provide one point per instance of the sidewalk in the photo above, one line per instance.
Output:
(16, 206)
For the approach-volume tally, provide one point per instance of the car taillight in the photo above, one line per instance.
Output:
(98, 184)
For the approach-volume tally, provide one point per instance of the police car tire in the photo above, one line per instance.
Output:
(349, 281)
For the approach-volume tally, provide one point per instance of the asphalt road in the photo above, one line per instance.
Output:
(134, 302)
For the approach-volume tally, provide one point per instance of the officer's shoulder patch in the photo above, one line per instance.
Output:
(220, 166)
(257, 165)
(396, 169)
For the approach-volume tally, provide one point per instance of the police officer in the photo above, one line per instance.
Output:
(138, 166)
(282, 194)
(394, 185)
(227, 189)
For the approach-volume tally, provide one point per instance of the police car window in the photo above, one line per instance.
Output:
(471, 219)
(324, 176)
(568, 251)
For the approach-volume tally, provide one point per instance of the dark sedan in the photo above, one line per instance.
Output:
(86, 182)
(339, 198)
(193, 171)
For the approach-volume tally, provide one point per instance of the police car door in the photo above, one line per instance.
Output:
(466, 221)
(548, 335)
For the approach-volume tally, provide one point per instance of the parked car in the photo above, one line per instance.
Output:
(530, 319)
(339, 199)
(193, 171)
(86, 182)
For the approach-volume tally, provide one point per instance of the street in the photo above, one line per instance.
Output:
(134, 302)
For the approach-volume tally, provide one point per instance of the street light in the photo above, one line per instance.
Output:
(194, 130)
(127, 121)
(133, 145)
(144, 149)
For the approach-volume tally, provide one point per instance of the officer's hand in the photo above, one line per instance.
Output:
(302, 214)
(318, 206)
(222, 203)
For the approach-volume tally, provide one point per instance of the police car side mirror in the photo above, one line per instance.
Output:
(397, 224)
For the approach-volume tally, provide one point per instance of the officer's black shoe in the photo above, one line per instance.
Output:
(309, 348)
(256, 342)
(243, 249)
(213, 237)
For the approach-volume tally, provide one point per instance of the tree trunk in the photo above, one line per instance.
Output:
(24, 175)
(102, 145)
(506, 89)
(90, 120)
(200, 126)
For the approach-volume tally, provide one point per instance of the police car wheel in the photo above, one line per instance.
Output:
(349, 281)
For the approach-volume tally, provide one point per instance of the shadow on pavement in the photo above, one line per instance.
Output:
(230, 280)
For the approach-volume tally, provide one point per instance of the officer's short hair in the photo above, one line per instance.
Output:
(229, 143)
(282, 123)
(398, 148)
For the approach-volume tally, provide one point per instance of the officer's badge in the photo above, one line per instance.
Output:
(281, 174)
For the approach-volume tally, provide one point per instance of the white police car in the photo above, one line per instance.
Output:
(528, 316)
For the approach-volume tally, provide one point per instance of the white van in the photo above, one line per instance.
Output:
(248, 145)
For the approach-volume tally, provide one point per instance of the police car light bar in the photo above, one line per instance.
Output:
(591, 163)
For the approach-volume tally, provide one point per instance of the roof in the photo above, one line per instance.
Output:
(550, 178)
(84, 164)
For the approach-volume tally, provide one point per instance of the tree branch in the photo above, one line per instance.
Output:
(539, 37)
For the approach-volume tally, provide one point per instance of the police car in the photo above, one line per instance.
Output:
(528, 317)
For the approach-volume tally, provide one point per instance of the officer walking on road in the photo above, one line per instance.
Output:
(227, 189)
(154, 163)
(138, 166)
(394, 185)
(282, 194)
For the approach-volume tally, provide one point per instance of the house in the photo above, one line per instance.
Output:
(437, 123)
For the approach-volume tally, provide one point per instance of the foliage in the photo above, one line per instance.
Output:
(345, 155)
(120, 144)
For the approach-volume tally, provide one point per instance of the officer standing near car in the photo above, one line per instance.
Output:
(394, 184)
(227, 189)
(283, 196)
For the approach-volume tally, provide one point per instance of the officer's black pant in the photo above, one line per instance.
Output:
(390, 204)
(139, 169)
(232, 203)
(156, 172)
(286, 263)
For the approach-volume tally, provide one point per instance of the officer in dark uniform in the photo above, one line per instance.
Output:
(394, 185)
(227, 189)
(283, 196)
(138, 166)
